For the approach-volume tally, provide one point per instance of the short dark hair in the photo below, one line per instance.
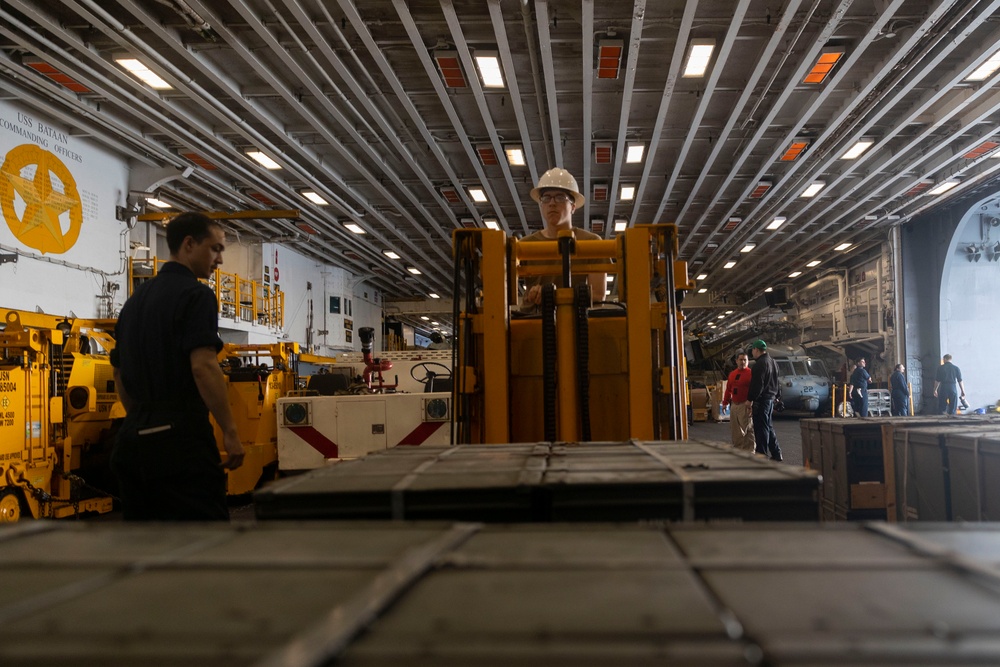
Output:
(898, 366)
(437, 337)
(195, 225)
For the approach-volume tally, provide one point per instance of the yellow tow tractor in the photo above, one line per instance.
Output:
(254, 386)
(57, 409)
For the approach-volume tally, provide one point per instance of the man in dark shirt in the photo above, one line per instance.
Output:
(166, 372)
(858, 388)
(762, 394)
(947, 382)
(899, 392)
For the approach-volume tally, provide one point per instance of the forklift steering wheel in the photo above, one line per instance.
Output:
(428, 370)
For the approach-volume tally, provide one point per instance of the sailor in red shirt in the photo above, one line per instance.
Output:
(740, 420)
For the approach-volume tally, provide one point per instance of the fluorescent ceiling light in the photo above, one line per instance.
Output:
(720, 317)
(768, 290)
(433, 296)
(137, 69)
(813, 263)
(315, 198)
(634, 152)
(491, 223)
(628, 192)
(702, 276)
(729, 312)
(478, 195)
(943, 187)
(869, 218)
(987, 69)
(415, 271)
(515, 156)
(433, 322)
(748, 247)
(621, 225)
(489, 69)
(855, 151)
(350, 226)
(425, 318)
(843, 246)
(813, 189)
(730, 264)
(153, 201)
(264, 160)
(390, 254)
(699, 57)
(777, 222)
(794, 274)
(702, 290)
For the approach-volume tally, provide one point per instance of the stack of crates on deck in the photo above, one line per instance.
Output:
(546, 482)
(948, 473)
(866, 464)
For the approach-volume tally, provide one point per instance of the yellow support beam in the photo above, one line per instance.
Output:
(227, 215)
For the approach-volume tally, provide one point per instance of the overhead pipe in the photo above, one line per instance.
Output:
(897, 154)
(635, 37)
(255, 137)
(390, 129)
(500, 30)
(704, 101)
(529, 38)
(829, 29)
(335, 144)
(449, 108)
(152, 147)
(455, 25)
(551, 92)
(775, 42)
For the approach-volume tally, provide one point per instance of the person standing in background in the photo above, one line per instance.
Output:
(740, 419)
(858, 388)
(762, 394)
(947, 382)
(899, 392)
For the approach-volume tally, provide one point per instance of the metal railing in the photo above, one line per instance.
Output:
(239, 298)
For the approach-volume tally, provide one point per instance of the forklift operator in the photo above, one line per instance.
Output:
(558, 197)
(166, 372)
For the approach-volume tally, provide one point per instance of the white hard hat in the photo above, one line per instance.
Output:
(561, 179)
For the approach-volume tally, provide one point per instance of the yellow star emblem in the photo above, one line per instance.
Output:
(45, 201)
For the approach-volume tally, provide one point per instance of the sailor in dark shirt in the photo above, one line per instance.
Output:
(947, 382)
(899, 392)
(858, 388)
(166, 372)
(763, 392)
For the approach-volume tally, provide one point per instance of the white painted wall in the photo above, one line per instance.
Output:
(87, 183)
(970, 312)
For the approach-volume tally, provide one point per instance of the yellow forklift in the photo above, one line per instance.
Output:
(574, 373)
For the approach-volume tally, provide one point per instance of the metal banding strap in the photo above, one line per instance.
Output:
(687, 484)
(328, 638)
(398, 502)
